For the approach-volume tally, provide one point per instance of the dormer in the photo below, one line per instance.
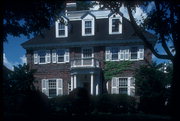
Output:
(61, 27)
(115, 23)
(88, 24)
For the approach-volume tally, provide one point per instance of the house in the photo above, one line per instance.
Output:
(73, 53)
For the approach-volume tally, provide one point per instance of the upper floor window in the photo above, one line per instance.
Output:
(60, 56)
(134, 53)
(124, 53)
(115, 53)
(88, 25)
(61, 27)
(115, 24)
(42, 57)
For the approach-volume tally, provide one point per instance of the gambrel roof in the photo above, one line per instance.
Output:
(75, 38)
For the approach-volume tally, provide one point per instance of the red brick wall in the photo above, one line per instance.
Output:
(48, 71)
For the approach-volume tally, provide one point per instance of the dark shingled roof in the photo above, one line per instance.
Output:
(75, 35)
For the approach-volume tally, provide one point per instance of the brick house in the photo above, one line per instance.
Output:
(74, 53)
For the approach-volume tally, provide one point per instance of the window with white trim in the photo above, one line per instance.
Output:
(61, 28)
(124, 53)
(134, 53)
(123, 85)
(115, 24)
(52, 87)
(87, 53)
(114, 52)
(60, 56)
(42, 57)
(88, 25)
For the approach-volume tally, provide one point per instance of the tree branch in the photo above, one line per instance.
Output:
(141, 36)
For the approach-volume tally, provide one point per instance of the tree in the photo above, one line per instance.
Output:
(151, 86)
(163, 20)
(22, 78)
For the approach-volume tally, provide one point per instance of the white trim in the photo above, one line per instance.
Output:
(88, 18)
(117, 16)
(116, 86)
(57, 29)
(92, 84)
(54, 56)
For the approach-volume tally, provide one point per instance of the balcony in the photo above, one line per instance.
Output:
(85, 63)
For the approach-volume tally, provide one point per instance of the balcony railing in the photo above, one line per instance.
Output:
(85, 62)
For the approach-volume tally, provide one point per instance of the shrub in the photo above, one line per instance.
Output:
(115, 103)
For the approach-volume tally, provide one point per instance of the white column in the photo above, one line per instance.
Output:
(92, 80)
(75, 81)
(128, 87)
(97, 89)
(72, 85)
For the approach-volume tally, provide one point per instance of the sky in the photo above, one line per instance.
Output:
(14, 53)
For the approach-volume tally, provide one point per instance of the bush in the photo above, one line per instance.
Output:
(115, 103)
(76, 102)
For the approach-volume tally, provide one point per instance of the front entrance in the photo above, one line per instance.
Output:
(87, 86)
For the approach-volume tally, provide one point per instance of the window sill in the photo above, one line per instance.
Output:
(112, 33)
(88, 35)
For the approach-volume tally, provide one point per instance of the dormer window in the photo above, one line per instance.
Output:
(88, 27)
(115, 24)
(88, 24)
(61, 28)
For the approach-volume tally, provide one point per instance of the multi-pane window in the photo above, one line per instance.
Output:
(42, 56)
(88, 27)
(52, 88)
(61, 29)
(123, 85)
(60, 55)
(114, 52)
(134, 53)
(87, 53)
(115, 25)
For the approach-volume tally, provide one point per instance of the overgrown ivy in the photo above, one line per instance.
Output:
(115, 68)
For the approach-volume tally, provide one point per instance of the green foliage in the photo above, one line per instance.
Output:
(151, 85)
(22, 78)
(115, 68)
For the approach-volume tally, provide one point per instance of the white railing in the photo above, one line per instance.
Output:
(84, 62)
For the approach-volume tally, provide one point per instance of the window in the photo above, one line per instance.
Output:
(88, 27)
(61, 28)
(88, 22)
(124, 53)
(115, 25)
(114, 52)
(42, 57)
(60, 56)
(123, 85)
(87, 53)
(134, 53)
(52, 87)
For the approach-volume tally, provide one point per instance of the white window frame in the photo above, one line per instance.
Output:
(57, 29)
(55, 56)
(115, 16)
(131, 53)
(88, 18)
(45, 86)
(112, 54)
(129, 85)
(37, 57)
(83, 48)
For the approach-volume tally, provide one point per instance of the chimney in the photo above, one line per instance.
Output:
(71, 6)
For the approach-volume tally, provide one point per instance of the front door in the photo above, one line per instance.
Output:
(87, 86)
